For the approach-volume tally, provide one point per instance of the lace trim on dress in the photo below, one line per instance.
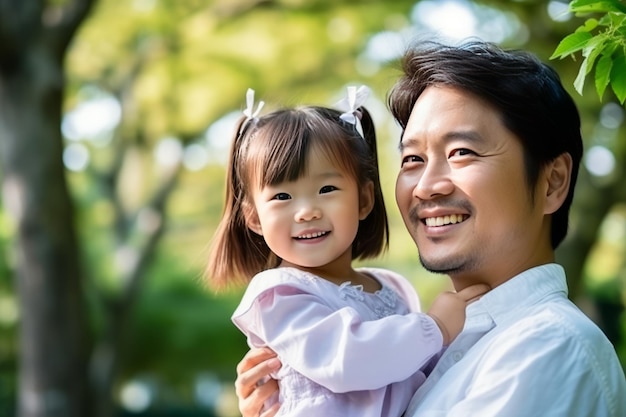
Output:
(386, 296)
(383, 302)
(389, 299)
(353, 291)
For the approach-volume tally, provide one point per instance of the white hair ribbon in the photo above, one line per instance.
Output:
(355, 98)
(249, 112)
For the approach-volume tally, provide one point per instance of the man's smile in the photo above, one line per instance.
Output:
(445, 220)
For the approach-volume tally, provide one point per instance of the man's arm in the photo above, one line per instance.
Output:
(254, 385)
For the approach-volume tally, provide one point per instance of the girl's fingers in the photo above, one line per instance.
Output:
(271, 412)
(253, 385)
(473, 292)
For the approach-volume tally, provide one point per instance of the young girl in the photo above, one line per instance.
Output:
(303, 200)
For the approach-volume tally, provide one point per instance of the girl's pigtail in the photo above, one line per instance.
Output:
(236, 252)
(369, 132)
(376, 223)
(224, 264)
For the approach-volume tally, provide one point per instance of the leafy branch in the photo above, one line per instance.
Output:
(602, 42)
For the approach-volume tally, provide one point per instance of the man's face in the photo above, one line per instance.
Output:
(463, 194)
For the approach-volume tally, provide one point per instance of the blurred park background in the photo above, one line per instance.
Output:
(115, 121)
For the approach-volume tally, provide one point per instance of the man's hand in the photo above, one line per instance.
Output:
(254, 385)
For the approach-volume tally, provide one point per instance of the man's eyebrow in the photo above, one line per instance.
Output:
(468, 135)
(406, 143)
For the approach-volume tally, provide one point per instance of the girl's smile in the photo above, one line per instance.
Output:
(311, 235)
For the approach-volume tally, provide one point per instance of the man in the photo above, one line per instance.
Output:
(489, 158)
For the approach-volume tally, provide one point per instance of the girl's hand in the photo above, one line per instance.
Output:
(254, 385)
(448, 310)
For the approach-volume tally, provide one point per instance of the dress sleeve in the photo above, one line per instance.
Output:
(335, 348)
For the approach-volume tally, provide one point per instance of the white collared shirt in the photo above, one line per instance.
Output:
(525, 350)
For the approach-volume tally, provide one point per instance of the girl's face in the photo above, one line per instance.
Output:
(311, 222)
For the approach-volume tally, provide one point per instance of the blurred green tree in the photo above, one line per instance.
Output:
(126, 248)
(601, 41)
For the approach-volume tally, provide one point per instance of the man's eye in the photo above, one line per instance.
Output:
(462, 152)
(327, 189)
(281, 196)
(411, 159)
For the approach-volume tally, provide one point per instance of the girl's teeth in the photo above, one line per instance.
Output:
(312, 235)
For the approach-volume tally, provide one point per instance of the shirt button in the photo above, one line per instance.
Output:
(457, 356)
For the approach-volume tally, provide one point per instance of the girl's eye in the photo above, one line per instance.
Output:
(281, 196)
(327, 189)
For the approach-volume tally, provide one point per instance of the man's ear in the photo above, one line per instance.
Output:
(252, 218)
(366, 200)
(558, 175)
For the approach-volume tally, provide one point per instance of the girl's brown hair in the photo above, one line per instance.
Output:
(273, 149)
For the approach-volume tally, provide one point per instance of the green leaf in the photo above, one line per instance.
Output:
(579, 82)
(595, 47)
(571, 43)
(593, 6)
(611, 46)
(606, 20)
(618, 81)
(616, 21)
(603, 74)
(588, 26)
(620, 30)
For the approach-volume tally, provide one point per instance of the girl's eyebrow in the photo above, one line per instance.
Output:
(319, 176)
(329, 175)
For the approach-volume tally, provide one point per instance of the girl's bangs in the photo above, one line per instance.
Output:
(278, 151)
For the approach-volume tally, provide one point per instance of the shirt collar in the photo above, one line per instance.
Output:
(522, 290)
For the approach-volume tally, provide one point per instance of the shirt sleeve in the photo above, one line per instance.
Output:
(335, 348)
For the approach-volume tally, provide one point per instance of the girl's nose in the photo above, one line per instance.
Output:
(307, 212)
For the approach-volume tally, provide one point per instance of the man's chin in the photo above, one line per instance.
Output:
(443, 266)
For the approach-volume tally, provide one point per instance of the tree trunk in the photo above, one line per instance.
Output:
(52, 342)
(52, 362)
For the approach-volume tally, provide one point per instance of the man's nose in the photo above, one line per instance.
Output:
(435, 181)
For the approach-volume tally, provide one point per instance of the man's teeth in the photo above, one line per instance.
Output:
(311, 235)
(444, 220)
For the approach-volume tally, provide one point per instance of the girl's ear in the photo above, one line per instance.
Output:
(558, 176)
(252, 218)
(366, 200)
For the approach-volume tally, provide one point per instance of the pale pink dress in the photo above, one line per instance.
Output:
(345, 352)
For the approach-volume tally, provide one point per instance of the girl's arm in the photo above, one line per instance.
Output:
(260, 362)
(335, 348)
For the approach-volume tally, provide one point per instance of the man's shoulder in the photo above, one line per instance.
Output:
(558, 332)
(559, 320)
